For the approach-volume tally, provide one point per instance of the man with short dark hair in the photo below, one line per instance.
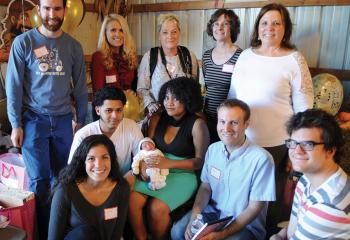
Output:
(124, 133)
(43, 64)
(321, 206)
(237, 180)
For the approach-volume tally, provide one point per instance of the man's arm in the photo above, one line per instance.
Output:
(202, 199)
(248, 215)
(14, 91)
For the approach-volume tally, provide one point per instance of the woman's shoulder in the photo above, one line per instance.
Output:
(97, 55)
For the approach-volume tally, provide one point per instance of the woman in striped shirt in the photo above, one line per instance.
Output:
(218, 63)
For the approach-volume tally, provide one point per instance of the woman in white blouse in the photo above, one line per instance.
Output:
(273, 78)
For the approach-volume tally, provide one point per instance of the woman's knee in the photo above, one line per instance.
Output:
(158, 209)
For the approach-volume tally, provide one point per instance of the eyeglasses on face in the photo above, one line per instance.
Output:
(305, 145)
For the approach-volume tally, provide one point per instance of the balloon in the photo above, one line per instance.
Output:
(75, 12)
(328, 93)
(132, 108)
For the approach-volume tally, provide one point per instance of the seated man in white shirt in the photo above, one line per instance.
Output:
(321, 205)
(124, 133)
(237, 180)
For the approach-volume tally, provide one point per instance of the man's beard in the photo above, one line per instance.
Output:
(52, 27)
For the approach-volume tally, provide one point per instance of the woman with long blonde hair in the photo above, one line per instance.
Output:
(115, 61)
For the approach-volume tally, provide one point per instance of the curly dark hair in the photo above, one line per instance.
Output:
(75, 172)
(331, 133)
(109, 93)
(287, 22)
(231, 16)
(186, 90)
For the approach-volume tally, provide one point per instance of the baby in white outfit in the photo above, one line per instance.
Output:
(157, 176)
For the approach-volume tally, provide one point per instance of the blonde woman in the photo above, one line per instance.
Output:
(170, 61)
(115, 61)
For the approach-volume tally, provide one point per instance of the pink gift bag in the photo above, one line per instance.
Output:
(13, 172)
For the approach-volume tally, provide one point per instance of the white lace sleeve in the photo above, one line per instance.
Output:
(302, 89)
(144, 80)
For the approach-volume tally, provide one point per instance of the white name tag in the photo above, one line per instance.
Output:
(216, 173)
(228, 68)
(111, 213)
(111, 79)
(41, 51)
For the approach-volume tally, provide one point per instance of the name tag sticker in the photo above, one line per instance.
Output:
(228, 68)
(41, 51)
(111, 79)
(216, 173)
(111, 213)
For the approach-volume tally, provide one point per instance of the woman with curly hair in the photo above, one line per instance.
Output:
(183, 137)
(115, 61)
(90, 200)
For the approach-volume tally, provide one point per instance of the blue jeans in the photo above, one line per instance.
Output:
(46, 144)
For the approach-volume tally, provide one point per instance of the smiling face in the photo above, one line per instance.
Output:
(271, 29)
(231, 127)
(222, 29)
(111, 114)
(314, 161)
(114, 34)
(98, 164)
(169, 35)
(51, 13)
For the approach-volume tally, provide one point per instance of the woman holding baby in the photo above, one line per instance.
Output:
(183, 137)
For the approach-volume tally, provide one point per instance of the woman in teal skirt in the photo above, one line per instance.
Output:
(184, 138)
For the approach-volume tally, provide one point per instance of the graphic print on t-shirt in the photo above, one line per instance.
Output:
(50, 64)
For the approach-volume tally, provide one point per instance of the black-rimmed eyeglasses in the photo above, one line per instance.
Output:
(306, 145)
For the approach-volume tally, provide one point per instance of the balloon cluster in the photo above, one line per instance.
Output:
(75, 12)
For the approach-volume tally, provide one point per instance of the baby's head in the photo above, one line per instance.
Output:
(147, 144)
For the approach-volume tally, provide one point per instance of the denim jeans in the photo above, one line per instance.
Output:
(46, 144)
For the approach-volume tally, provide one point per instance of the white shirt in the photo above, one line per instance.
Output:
(125, 139)
(274, 88)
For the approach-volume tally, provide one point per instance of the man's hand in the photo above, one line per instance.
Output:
(188, 233)
(17, 137)
(76, 126)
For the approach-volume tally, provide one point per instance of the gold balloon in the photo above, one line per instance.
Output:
(75, 12)
(132, 108)
(35, 20)
(74, 15)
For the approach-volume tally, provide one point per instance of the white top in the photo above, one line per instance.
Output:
(149, 88)
(274, 88)
(125, 138)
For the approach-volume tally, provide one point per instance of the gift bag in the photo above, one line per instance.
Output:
(13, 172)
(19, 207)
